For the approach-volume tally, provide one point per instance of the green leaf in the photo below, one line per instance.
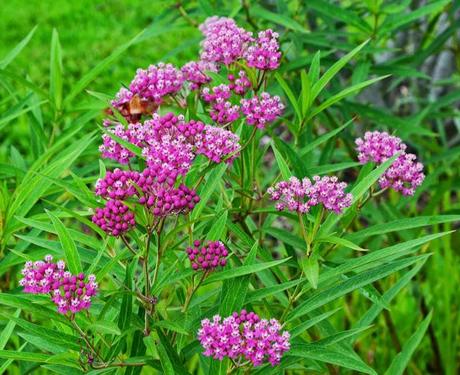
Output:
(243, 270)
(319, 85)
(302, 327)
(68, 245)
(283, 166)
(344, 93)
(341, 242)
(401, 361)
(105, 327)
(287, 90)
(8, 330)
(310, 267)
(320, 353)
(56, 71)
(217, 230)
(17, 49)
(277, 18)
(304, 99)
(323, 297)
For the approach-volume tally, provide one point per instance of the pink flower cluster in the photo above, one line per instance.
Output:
(118, 184)
(224, 41)
(222, 109)
(195, 73)
(111, 149)
(70, 293)
(115, 218)
(239, 85)
(207, 257)
(261, 110)
(152, 84)
(244, 335)
(300, 195)
(264, 54)
(405, 174)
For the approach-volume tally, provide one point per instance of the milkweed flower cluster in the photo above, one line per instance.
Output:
(195, 73)
(264, 54)
(261, 110)
(70, 293)
(300, 195)
(244, 335)
(405, 174)
(207, 257)
(115, 218)
(224, 41)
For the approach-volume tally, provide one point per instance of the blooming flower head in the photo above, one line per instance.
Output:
(300, 195)
(74, 293)
(115, 218)
(40, 276)
(68, 292)
(224, 41)
(264, 54)
(244, 335)
(111, 149)
(118, 184)
(222, 110)
(378, 147)
(405, 174)
(261, 110)
(218, 144)
(207, 257)
(195, 73)
(240, 84)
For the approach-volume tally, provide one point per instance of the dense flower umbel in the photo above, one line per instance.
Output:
(264, 54)
(117, 184)
(378, 147)
(195, 73)
(40, 276)
(68, 292)
(300, 195)
(111, 149)
(244, 335)
(224, 41)
(222, 110)
(239, 85)
(73, 293)
(405, 174)
(218, 144)
(261, 110)
(207, 257)
(115, 218)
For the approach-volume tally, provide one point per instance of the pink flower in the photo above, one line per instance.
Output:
(241, 84)
(244, 335)
(264, 54)
(405, 174)
(115, 218)
(195, 73)
(117, 184)
(222, 110)
(261, 110)
(300, 196)
(207, 257)
(224, 41)
(40, 276)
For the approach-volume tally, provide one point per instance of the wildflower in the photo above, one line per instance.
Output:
(74, 293)
(300, 195)
(224, 41)
(40, 276)
(207, 257)
(264, 54)
(218, 144)
(118, 184)
(115, 218)
(111, 149)
(405, 174)
(244, 335)
(223, 111)
(261, 110)
(195, 73)
(239, 85)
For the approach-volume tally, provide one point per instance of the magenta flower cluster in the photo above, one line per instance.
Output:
(245, 336)
(70, 293)
(261, 110)
(224, 41)
(195, 73)
(405, 174)
(264, 54)
(115, 218)
(300, 195)
(207, 257)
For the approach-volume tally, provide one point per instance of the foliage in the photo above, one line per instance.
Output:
(378, 292)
